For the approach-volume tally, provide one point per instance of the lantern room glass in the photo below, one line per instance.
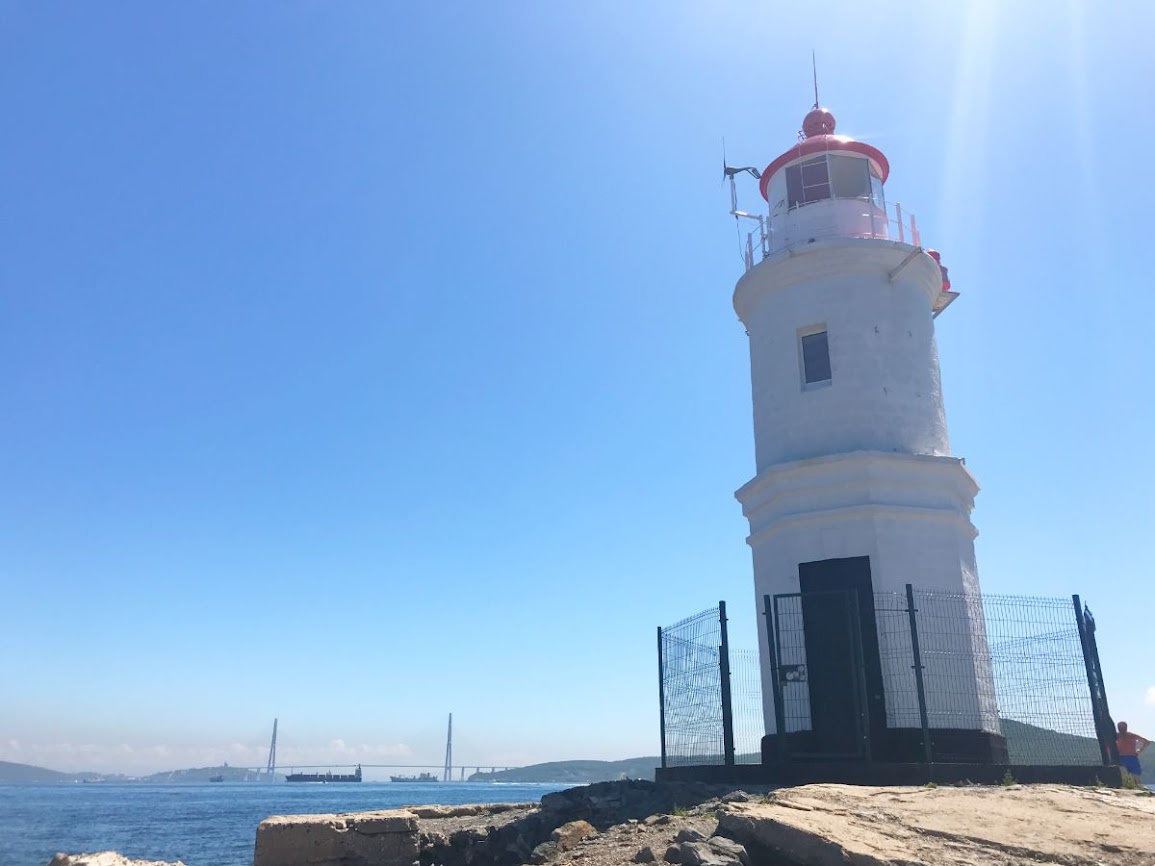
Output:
(832, 175)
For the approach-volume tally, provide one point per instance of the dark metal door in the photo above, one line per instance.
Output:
(819, 695)
(844, 670)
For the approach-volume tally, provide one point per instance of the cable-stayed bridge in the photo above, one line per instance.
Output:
(455, 773)
(448, 769)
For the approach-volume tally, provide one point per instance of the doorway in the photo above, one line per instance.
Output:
(844, 672)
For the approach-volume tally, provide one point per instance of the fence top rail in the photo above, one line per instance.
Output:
(1064, 600)
(987, 597)
(693, 618)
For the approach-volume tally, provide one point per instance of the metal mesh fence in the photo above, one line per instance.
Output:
(794, 711)
(915, 676)
(746, 691)
(957, 701)
(934, 676)
(1003, 664)
(1040, 680)
(896, 659)
(691, 683)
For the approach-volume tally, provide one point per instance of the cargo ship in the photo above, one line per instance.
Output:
(325, 777)
(424, 777)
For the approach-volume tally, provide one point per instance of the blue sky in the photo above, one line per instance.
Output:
(364, 362)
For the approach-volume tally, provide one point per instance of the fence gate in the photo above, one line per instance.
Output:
(697, 723)
(819, 675)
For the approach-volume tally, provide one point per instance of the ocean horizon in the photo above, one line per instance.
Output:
(201, 824)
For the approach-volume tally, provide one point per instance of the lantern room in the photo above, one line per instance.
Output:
(827, 185)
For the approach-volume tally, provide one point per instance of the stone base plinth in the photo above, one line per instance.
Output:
(387, 838)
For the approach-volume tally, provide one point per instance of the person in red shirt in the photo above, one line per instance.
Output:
(1130, 746)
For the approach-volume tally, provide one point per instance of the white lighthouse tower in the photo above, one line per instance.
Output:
(856, 491)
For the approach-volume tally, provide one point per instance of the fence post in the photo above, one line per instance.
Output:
(770, 611)
(1094, 686)
(662, 696)
(724, 669)
(859, 663)
(1104, 710)
(919, 684)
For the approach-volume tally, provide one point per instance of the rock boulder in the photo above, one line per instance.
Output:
(105, 858)
(386, 838)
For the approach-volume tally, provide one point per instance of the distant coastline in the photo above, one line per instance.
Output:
(580, 772)
(1028, 744)
(27, 774)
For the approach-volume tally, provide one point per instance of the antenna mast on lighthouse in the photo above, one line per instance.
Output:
(448, 774)
(814, 68)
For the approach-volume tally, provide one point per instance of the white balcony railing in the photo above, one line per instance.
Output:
(829, 218)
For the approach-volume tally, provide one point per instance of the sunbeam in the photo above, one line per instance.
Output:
(966, 148)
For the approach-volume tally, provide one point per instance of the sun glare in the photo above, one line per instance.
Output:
(969, 134)
(1080, 90)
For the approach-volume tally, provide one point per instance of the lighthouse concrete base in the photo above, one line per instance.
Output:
(891, 773)
(897, 745)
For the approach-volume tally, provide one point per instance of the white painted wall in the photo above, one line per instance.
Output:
(885, 394)
(862, 466)
(833, 217)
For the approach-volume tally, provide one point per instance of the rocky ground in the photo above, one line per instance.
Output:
(615, 824)
(823, 825)
(572, 830)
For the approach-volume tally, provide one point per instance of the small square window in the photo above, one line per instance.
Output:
(815, 358)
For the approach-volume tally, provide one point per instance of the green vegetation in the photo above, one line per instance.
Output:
(575, 772)
(1030, 744)
(1131, 783)
(207, 774)
(1008, 779)
(26, 774)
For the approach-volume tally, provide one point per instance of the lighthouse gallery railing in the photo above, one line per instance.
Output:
(858, 218)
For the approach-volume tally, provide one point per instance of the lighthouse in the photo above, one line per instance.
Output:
(856, 492)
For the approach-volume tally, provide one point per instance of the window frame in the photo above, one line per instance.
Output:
(855, 169)
(796, 192)
(814, 331)
(799, 193)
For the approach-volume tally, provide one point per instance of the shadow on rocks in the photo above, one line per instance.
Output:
(603, 805)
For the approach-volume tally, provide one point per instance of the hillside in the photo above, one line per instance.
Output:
(26, 774)
(1029, 744)
(196, 775)
(575, 772)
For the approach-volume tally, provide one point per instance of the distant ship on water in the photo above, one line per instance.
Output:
(424, 777)
(325, 777)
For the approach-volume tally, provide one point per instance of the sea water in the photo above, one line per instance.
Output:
(200, 825)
